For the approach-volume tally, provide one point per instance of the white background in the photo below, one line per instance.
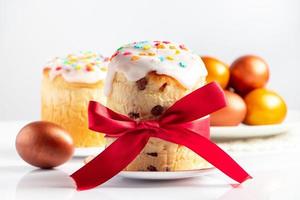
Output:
(33, 31)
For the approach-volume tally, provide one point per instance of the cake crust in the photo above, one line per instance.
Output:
(65, 103)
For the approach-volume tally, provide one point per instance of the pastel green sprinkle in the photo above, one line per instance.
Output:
(161, 58)
(138, 46)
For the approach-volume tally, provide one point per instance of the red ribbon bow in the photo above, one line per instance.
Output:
(180, 124)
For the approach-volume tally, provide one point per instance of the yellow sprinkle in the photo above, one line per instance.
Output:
(172, 47)
(72, 57)
(151, 54)
(104, 69)
(72, 60)
(134, 58)
(169, 58)
(177, 52)
(77, 67)
(142, 54)
(146, 47)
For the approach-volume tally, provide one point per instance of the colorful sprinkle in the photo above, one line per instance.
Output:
(89, 68)
(104, 69)
(151, 54)
(170, 58)
(161, 46)
(161, 58)
(134, 58)
(138, 46)
(146, 47)
(182, 64)
(72, 58)
(83, 61)
(114, 55)
(127, 53)
(66, 62)
(182, 47)
(77, 67)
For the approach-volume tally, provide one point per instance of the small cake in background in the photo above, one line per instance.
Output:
(69, 83)
(143, 80)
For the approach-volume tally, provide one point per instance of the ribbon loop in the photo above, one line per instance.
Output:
(104, 120)
(195, 105)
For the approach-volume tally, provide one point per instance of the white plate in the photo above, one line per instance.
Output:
(245, 131)
(84, 152)
(165, 175)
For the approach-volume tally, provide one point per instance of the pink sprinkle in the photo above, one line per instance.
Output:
(115, 54)
(58, 68)
(166, 42)
(182, 47)
(127, 53)
(106, 59)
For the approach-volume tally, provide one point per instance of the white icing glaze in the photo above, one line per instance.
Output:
(83, 67)
(137, 59)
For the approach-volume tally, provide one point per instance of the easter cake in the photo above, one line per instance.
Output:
(68, 84)
(143, 80)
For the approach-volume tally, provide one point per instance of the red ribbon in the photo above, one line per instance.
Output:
(180, 124)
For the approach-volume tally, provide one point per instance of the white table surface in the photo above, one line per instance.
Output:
(276, 176)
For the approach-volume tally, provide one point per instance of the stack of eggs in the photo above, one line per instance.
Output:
(244, 84)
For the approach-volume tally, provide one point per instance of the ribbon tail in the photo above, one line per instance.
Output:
(207, 150)
(111, 161)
